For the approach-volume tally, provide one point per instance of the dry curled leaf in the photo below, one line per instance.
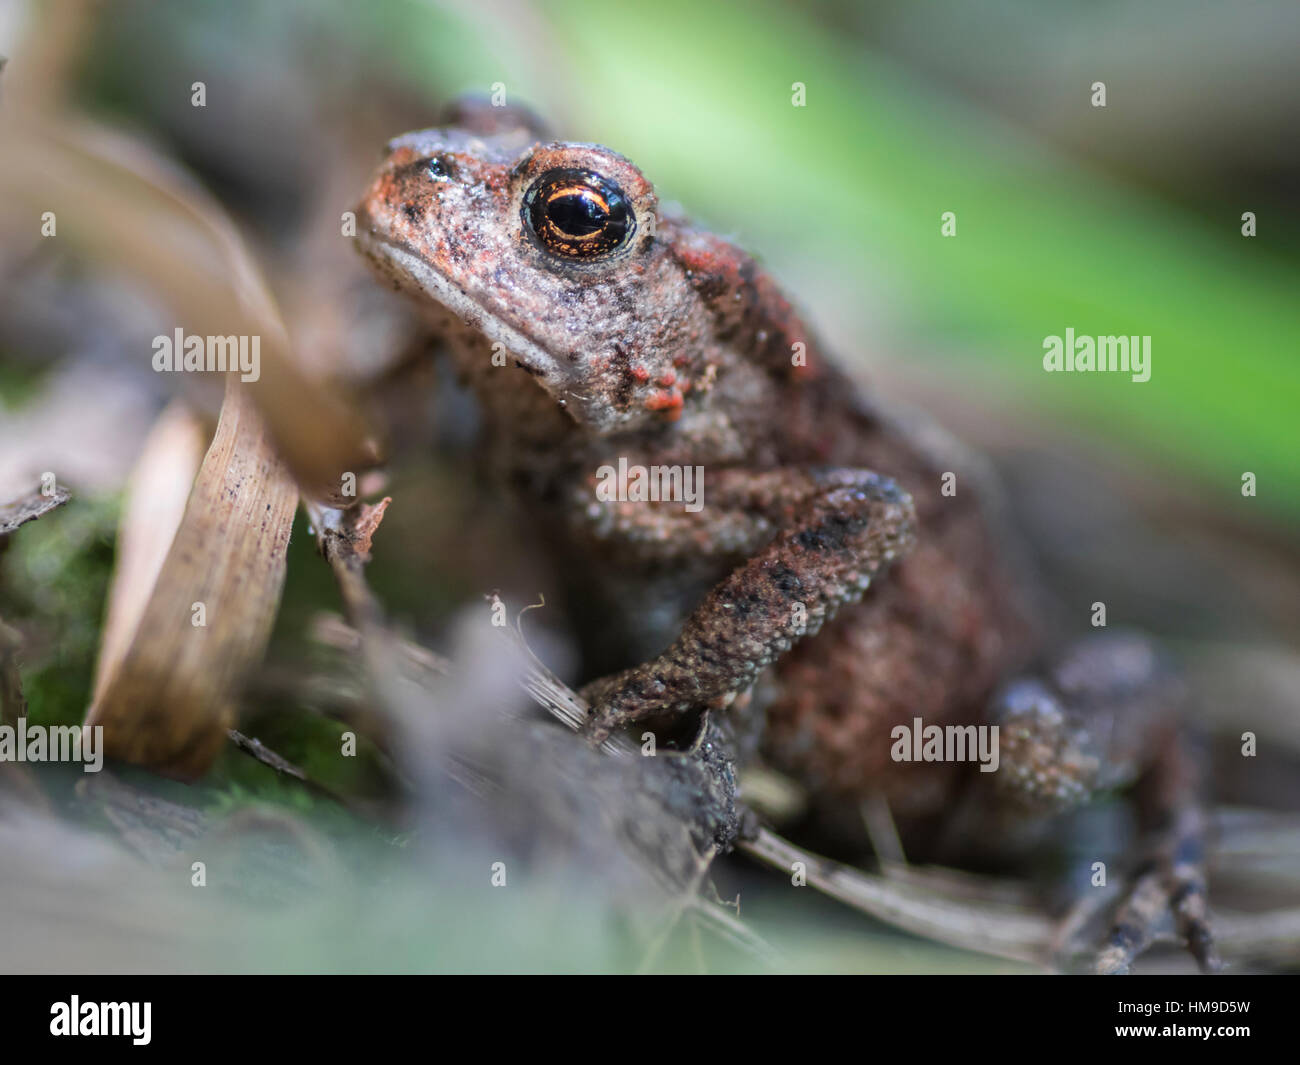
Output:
(168, 700)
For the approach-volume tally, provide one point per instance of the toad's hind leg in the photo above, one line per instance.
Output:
(1107, 715)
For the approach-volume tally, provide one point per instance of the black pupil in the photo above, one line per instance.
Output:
(579, 212)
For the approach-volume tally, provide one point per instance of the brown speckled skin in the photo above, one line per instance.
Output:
(678, 351)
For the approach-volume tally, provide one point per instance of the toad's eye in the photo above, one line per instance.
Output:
(578, 215)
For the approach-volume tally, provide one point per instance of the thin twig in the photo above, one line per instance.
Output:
(1002, 931)
(33, 505)
(266, 756)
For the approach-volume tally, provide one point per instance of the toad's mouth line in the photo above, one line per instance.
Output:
(405, 262)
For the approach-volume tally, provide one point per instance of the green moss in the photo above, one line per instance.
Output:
(54, 583)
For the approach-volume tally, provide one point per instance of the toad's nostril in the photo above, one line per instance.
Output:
(441, 168)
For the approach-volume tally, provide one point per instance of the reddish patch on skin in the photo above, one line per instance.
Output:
(669, 404)
(640, 373)
(667, 378)
(706, 260)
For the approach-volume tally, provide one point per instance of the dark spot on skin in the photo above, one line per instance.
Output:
(741, 609)
(411, 211)
(708, 654)
(624, 300)
(748, 271)
(626, 382)
(832, 534)
(710, 286)
(785, 579)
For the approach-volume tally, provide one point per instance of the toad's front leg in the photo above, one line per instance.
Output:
(827, 535)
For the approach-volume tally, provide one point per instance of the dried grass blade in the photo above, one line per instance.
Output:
(169, 702)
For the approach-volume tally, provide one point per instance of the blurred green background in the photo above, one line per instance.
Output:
(1123, 219)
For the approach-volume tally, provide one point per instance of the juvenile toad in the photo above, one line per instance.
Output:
(841, 577)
